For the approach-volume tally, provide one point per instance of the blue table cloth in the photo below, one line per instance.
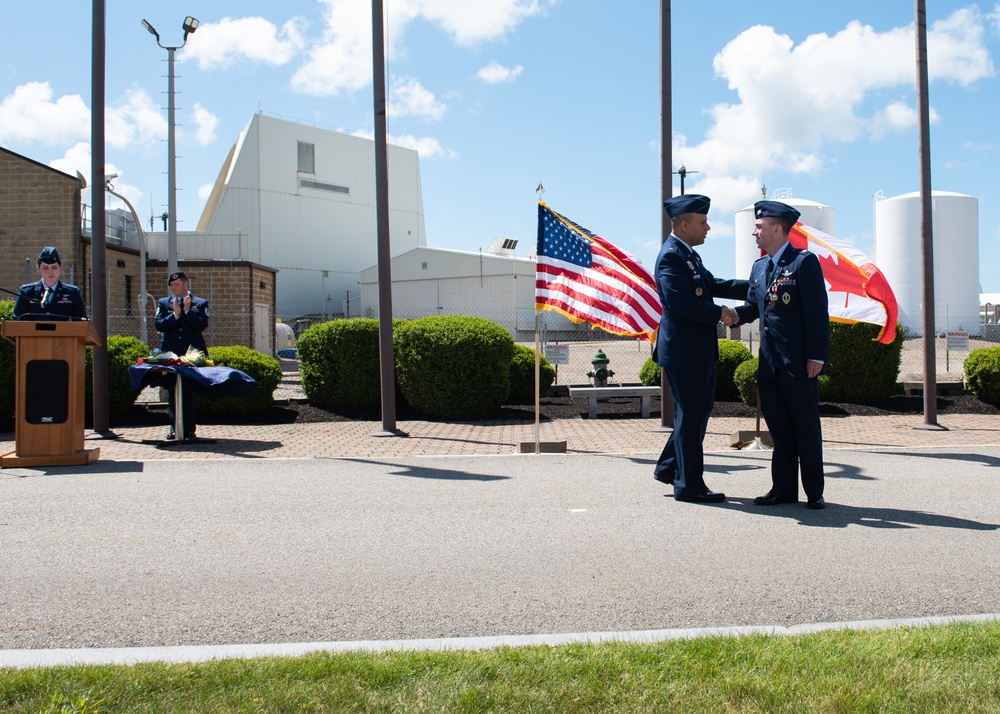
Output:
(210, 382)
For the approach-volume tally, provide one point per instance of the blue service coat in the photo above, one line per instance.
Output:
(64, 300)
(793, 310)
(687, 336)
(180, 333)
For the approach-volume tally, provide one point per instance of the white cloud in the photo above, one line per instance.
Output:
(496, 73)
(473, 21)
(409, 98)
(342, 59)
(898, 116)
(31, 114)
(796, 101)
(76, 158)
(206, 122)
(247, 39)
(204, 191)
(426, 146)
(135, 120)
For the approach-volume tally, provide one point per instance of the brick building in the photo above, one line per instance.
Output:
(40, 206)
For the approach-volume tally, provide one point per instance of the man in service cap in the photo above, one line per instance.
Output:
(788, 294)
(687, 344)
(182, 318)
(50, 298)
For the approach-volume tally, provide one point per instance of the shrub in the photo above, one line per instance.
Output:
(454, 366)
(649, 374)
(123, 352)
(745, 381)
(860, 368)
(7, 366)
(339, 363)
(982, 374)
(263, 368)
(522, 375)
(731, 355)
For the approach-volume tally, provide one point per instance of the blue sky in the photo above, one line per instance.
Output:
(499, 95)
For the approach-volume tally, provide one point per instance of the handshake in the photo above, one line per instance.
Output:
(729, 316)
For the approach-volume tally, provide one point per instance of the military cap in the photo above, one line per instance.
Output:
(687, 203)
(776, 209)
(179, 275)
(49, 255)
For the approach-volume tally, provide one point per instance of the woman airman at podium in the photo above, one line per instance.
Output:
(49, 298)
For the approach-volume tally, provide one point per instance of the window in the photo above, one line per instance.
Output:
(307, 158)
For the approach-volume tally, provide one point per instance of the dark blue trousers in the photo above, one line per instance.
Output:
(791, 411)
(683, 457)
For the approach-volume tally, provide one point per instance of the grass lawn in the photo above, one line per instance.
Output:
(953, 668)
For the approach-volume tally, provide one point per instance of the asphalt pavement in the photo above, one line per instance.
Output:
(209, 546)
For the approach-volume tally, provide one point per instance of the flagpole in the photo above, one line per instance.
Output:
(666, 182)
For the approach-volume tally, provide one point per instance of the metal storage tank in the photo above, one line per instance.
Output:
(814, 214)
(956, 259)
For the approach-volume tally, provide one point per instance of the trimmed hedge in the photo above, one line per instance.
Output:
(860, 368)
(522, 375)
(454, 366)
(265, 370)
(7, 366)
(982, 374)
(745, 381)
(731, 355)
(339, 363)
(123, 352)
(649, 373)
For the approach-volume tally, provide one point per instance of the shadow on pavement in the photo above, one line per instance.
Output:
(430, 473)
(840, 516)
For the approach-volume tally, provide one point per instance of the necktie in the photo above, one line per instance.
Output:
(770, 271)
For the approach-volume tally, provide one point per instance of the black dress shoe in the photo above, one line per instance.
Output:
(170, 435)
(772, 499)
(707, 497)
(663, 478)
(816, 503)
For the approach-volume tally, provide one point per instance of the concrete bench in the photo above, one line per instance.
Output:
(594, 393)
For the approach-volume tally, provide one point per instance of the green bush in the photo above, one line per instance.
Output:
(454, 366)
(860, 368)
(745, 381)
(7, 366)
(264, 369)
(731, 355)
(649, 374)
(982, 374)
(123, 352)
(522, 375)
(339, 363)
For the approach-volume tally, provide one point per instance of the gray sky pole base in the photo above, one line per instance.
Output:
(662, 429)
(544, 447)
(930, 427)
(741, 439)
(391, 432)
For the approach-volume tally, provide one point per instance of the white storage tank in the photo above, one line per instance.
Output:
(814, 214)
(956, 259)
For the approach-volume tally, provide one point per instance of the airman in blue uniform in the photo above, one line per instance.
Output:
(788, 294)
(182, 318)
(687, 345)
(50, 298)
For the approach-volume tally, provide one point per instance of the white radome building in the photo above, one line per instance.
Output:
(302, 200)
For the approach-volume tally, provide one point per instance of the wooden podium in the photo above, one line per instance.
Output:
(49, 393)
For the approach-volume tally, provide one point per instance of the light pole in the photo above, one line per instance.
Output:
(189, 26)
(143, 334)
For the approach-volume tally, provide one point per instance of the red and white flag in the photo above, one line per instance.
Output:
(587, 279)
(858, 291)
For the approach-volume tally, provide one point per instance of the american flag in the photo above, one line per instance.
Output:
(587, 279)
